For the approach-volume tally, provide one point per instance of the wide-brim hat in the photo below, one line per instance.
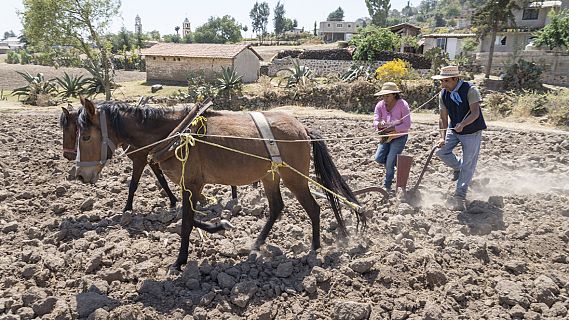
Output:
(447, 72)
(387, 88)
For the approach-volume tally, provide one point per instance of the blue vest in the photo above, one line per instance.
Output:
(458, 112)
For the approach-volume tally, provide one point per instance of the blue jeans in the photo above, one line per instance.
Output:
(466, 165)
(386, 154)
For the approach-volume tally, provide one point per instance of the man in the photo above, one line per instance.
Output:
(459, 101)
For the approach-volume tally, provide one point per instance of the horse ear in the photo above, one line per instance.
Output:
(65, 111)
(88, 105)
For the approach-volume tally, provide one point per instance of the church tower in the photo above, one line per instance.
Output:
(186, 27)
(137, 25)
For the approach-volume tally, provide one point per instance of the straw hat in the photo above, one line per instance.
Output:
(447, 72)
(387, 88)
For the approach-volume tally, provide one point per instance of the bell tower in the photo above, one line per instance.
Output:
(186, 27)
(137, 25)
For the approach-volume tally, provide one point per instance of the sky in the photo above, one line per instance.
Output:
(164, 15)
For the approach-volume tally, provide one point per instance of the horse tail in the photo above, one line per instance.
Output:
(327, 174)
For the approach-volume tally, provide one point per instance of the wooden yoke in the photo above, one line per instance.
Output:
(165, 150)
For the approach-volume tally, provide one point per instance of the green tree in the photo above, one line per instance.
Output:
(556, 33)
(77, 23)
(378, 11)
(260, 18)
(492, 17)
(175, 38)
(279, 19)
(177, 29)
(154, 35)
(315, 33)
(9, 34)
(122, 40)
(372, 39)
(336, 15)
(218, 30)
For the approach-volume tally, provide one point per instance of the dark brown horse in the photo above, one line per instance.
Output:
(210, 164)
(68, 123)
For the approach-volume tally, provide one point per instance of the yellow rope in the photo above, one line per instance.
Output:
(276, 166)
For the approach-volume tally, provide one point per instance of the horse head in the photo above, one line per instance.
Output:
(94, 144)
(68, 123)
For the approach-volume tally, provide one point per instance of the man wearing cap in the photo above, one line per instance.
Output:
(459, 101)
(392, 119)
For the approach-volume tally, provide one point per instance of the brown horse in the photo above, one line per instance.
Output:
(211, 164)
(68, 123)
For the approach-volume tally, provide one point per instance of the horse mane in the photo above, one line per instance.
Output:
(115, 111)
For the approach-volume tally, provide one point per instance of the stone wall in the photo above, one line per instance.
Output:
(322, 67)
(176, 69)
(555, 64)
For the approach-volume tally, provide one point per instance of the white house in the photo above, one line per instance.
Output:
(451, 43)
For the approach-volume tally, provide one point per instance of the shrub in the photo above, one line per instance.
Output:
(418, 92)
(70, 86)
(25, 57)
(200, 87)
(499, 104)
(356, 71)
(523, 75)
(530, 104)
(12, 57)
(298, 74)
(372, 39)
(394, 71)
(559, 108)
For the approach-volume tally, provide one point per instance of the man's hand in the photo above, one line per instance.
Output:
(441, 142)
(459, 127)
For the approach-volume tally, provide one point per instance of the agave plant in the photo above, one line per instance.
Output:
(230, 82)
(71, 86)
(298, 74)
(37, 85)
(356, 72)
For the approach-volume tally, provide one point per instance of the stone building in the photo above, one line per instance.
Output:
(186, 27)
(173, 62)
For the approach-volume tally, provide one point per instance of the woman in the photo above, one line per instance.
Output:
(393, 120)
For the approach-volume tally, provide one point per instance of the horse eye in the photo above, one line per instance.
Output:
(86, 138)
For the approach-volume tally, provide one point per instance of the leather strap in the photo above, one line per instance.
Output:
(267, 134)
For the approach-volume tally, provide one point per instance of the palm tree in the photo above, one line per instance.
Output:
(492, 17)
(177, 28)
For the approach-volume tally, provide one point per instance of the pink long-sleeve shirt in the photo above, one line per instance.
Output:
(399, 116)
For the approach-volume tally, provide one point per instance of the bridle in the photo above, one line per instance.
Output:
(106, 143)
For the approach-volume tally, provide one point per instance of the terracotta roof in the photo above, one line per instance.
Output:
(197, 50)
(403, 25)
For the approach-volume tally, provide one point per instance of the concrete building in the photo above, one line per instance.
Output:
(332, 31)
(173, 62)
(451, 43)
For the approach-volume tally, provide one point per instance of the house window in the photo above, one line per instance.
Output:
(442, 43)
(349, 26)
(530, 14)
(328, 25)
(339, 25)
(153, 58)
(501, 40)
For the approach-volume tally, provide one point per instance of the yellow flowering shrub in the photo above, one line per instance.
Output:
(394, 71)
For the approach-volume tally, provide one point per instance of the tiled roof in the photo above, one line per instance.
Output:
(197, 50)
(545, 4)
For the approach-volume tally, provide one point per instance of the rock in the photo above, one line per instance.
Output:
(320, 274)
(60, 191)
(155, 88)
(517, 312)
(431, 311)
(435, 276)
(44, 306)
(362, 265)
(284, 269)
(25, 313)
(32, 296)
(405, 209)
(496, 201)
(87, 205)
(10, 227)
(511, 293)
(90, 301)
(225, 281)
(99, 314)
(350, 310)
(151, 287)
(243, 292)
(516, 267)
(309, 284)
(25, 195)
(545, 290)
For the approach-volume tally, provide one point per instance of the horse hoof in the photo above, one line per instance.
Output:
(226, 224)
(254, 255)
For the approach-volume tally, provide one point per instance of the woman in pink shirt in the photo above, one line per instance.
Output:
(391, 117)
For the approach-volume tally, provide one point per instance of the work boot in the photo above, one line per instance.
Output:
(455, 175)
(456, 203)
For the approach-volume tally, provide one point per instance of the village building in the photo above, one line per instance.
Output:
(332, 31)
(451, 43)
(406, 30)
(174, 62)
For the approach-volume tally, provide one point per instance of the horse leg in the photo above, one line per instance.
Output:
(233, 192)
(187, 226)
(276, 205)
(299, 187)
(138, 165)
(163, 183)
